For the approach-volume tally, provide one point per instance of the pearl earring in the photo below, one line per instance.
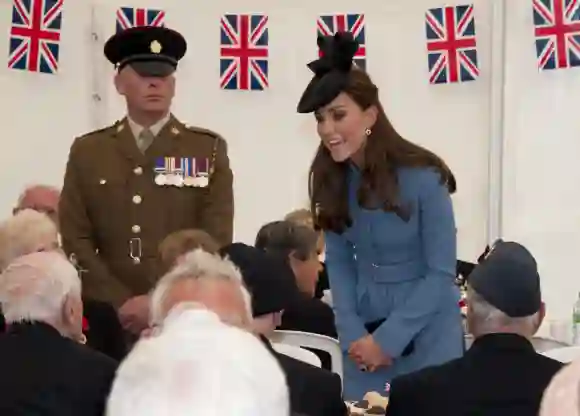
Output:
(368, 132)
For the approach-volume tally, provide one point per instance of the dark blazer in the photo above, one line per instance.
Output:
(313, 391)
(499, 375)
(46, 374)
(104, 331)
(314, 316)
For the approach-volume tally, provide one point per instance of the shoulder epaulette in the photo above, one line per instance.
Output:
(100, 130)
(201, 130)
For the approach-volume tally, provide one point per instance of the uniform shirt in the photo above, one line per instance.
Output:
(136, 128)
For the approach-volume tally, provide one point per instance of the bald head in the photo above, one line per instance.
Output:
(41, 198)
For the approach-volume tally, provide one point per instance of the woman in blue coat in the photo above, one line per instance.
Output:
(384, 205)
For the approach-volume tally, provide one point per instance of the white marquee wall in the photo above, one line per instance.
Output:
(523, 118)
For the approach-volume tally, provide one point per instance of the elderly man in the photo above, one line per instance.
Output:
(129, 185)
(501, 373)
(41, 198)
(47, 370)
(203, 280)
(29, 231)
(199, 365)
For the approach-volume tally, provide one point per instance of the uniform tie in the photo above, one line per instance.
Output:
(146, 137)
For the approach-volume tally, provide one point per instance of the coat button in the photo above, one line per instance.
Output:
(138, 170)
(136, 229)
(137, 199)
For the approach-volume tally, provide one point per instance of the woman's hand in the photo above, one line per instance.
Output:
(368, 354)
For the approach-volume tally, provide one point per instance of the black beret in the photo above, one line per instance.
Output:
(150, 50)
(508, 279)
(268, 277)
(331, 71)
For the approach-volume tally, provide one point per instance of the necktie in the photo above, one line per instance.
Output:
(146, 137)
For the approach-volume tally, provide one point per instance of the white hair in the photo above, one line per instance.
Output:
(197, 264)
(199, 365)
(562, 396)
(484, 318)
(34, 287)
(26, 232)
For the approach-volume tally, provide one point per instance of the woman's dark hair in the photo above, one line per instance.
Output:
(285, 238)
(384, 152)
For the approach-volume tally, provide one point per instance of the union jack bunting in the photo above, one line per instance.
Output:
(128, 17)
(451, 45)
(557, 30)
(355, 23)
(244, 52)
(35, 35)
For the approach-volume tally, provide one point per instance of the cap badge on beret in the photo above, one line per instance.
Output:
(155, 47)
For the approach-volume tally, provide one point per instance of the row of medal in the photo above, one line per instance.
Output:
(182, 171)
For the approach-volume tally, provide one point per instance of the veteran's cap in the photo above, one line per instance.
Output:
(508, 279)
(151, 51)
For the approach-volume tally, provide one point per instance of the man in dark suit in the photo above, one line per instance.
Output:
(47, 371)
(313, 391)
(501, 374)
(129, 185)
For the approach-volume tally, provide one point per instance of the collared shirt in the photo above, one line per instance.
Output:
(136, 128)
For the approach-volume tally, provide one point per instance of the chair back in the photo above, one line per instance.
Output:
(298, 353)
(315, 341)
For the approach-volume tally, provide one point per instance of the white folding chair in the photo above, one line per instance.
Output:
(565, 354)
(298, 353)
(315, 341)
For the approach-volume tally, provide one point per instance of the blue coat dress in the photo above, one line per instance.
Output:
(384, 267)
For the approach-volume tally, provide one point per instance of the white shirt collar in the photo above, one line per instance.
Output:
(136, 129)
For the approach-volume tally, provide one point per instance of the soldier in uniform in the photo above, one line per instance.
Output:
(129, 185)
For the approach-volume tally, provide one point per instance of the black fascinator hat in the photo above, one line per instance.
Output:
(330, 71)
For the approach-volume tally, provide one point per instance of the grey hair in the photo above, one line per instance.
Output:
(287, 237)
(26, 232)
(485, 318)
(198, 264)
(34, 287)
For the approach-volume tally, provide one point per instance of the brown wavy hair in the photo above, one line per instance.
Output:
(385, 151)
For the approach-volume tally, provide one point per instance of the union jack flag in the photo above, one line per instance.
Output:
(35, 35)
(557, 30)
(128, 17)
(451, 45)
(244, 52)
(328, 25)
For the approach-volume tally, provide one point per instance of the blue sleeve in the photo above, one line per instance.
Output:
(340, 265)
(439, 246)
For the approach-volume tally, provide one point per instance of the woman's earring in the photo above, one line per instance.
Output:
(368, 132)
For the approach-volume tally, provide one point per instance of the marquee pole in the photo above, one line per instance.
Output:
(497, 130)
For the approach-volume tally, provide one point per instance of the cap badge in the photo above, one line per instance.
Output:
(155, 47)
